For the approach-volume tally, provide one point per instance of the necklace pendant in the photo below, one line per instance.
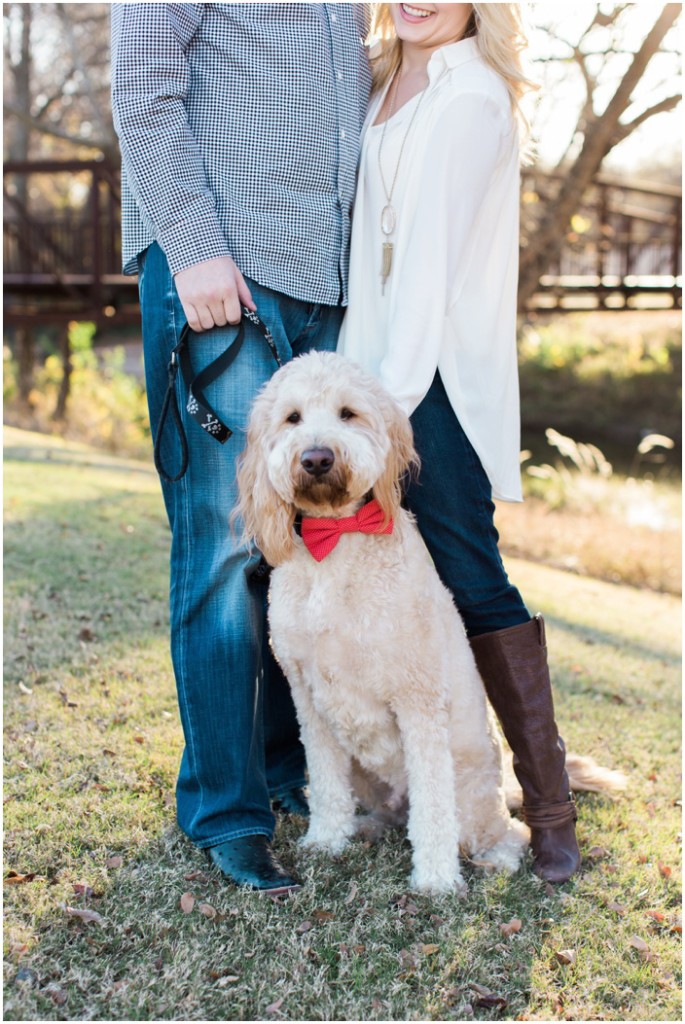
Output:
(388, 219)
(386, 264)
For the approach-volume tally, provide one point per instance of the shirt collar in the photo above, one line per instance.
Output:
(452, 55)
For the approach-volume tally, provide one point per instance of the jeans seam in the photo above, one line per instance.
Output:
(185, 577)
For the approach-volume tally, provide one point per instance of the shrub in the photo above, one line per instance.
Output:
(107, 407)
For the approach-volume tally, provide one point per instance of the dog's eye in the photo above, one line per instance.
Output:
(294, 417)
(347, 414)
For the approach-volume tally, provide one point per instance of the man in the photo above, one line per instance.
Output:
(239, 129)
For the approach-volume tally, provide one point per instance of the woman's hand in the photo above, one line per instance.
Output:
(212, 293)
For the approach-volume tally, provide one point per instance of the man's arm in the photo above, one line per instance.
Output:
(150, 80)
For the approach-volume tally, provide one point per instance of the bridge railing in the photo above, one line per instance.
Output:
(62, 250)
(625, 240)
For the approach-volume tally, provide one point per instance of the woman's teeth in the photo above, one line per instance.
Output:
(415, 12)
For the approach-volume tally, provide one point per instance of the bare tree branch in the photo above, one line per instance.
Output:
(83, 70)
(670, 103)
(106, 145)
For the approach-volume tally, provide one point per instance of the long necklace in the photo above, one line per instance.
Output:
(389, 213)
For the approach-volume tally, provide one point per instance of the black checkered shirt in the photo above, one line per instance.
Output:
(239, 129)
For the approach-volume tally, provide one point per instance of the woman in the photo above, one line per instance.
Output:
(432, 312)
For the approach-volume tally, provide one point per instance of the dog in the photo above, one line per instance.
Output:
(392, 710)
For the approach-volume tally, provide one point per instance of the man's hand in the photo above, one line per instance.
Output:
(212, 293)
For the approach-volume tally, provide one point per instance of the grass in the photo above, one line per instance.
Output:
(92, 742)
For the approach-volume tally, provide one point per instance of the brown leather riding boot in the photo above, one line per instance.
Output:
(513, 666)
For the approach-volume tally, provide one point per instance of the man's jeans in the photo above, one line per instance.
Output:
(454, 511)
(241, 736)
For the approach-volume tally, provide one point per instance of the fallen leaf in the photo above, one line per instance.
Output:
(228, 979)
(597, 852)
(639, 944)
(430, 948)
(196, 876)
(322, 915)
(86, 635)
(304, 926)
(89, 916)
(566, 956)
(114, 862)
(664, 870)
(656, 915)
(139, 739)
(490, 1001)
(83, 890)
(437, 921)
(14, 878)
(207, 910)
(407, 959)
(511, 927)
(275, 1007)
(187, 902)
(58, 995)
(480, 990)
(677, 924)
(350, 898)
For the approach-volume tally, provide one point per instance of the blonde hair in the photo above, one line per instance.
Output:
(499, 31)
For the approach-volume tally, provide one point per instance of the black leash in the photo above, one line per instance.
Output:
(197, 406)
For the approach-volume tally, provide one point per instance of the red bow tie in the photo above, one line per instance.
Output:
(321, 535)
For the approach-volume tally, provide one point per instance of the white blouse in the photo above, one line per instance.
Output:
(449, 303)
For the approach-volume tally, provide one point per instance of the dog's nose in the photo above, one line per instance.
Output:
(317, 461)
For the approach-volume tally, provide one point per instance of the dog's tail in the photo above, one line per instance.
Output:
(584, 774)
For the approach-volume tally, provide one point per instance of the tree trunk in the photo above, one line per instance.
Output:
(60, 412)
(26, 359)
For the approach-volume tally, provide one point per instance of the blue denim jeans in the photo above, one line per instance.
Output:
(452, 503)
(241, 735)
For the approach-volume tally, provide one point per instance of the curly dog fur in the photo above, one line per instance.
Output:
(392, 711)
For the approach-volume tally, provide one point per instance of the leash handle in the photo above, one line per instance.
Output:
(197, 405)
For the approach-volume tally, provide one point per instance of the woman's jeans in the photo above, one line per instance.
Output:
(452, 503)
(241, 735)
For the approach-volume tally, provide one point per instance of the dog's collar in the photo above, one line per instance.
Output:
(321, 535)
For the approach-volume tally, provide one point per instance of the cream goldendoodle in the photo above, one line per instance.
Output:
(392, 711)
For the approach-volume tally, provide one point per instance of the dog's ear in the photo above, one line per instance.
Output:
(267, 519)
(402, 457)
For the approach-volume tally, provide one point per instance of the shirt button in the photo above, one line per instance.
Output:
(340, 76)
(334, 17)
(342, 134)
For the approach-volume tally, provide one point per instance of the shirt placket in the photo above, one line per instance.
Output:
(348, 129)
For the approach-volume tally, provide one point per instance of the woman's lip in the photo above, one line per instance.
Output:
(414, 19)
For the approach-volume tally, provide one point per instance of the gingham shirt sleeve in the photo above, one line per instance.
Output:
(164, 164)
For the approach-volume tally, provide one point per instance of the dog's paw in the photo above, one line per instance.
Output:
(316, 839)
(369, 828)
(506, 854)
(435, 882)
